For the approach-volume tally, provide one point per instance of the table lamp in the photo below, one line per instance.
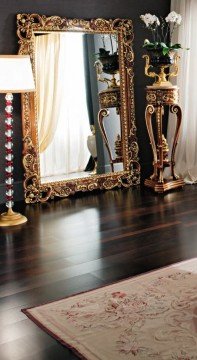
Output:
(15, 77)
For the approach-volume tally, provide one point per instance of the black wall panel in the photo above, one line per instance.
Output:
(80, 9)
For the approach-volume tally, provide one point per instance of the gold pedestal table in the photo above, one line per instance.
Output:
(158, 99)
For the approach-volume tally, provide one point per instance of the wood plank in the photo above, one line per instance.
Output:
(77, 244)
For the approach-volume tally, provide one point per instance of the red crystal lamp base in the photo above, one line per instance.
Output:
(9, 218)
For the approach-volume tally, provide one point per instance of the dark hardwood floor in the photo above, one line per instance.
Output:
(80, 243)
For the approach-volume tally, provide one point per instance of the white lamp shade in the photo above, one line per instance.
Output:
(16, 74)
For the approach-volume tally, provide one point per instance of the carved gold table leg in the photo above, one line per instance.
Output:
(157, 98)
(159, 114)
(101, 115)
(175, 109)
(148, 117)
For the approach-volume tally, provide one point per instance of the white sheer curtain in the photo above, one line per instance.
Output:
(186, 153)
(67, 151)
(48, 86)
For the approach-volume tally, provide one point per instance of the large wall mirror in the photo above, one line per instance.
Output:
(79, 126)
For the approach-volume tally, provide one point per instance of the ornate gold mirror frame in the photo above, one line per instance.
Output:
(27, 26)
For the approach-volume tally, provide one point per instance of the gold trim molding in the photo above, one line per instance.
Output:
(110, 98)
(162, 96)
(27, 26)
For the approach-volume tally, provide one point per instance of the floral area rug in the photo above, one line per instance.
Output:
(151, 316)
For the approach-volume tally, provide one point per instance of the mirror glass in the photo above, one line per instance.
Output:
(79, 131)
(72, 69)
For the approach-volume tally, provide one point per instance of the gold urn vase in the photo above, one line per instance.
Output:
(161, 67)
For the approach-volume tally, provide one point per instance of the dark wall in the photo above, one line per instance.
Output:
(80, 9)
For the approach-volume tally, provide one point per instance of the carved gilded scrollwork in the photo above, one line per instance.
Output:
(27, 26)
(168, 96)
(110, 98)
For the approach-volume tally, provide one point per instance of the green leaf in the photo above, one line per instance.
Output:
(165, 51)
(163, 45)
(176, 46)
(149, 46)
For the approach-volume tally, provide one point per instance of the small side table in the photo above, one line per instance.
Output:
(157, 98)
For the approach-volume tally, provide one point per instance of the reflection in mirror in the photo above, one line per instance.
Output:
(79, 131)
(72, 142)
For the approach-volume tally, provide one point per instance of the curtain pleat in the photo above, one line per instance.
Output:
(186, 154)
(63, 120)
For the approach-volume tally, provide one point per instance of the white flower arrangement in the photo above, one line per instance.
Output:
(173, 17)
(162, 31)
(150, 20)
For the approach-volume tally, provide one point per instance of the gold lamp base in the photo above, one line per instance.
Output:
(11, 218)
